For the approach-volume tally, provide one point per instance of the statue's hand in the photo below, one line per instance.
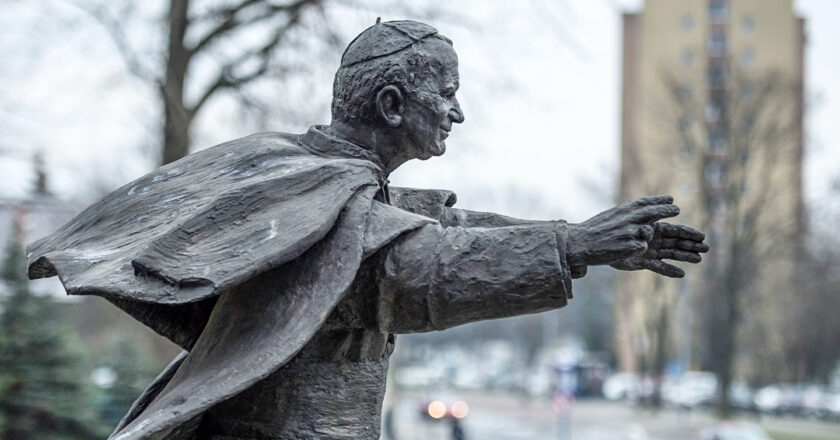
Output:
(673, 242)
(616, 234)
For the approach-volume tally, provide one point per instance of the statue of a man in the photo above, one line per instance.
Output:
(284, 264)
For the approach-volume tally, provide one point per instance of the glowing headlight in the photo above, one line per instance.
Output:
(436, 409)
(460, 409)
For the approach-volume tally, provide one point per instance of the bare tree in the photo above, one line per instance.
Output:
(814, 353)
(743, 139)
(241, 41)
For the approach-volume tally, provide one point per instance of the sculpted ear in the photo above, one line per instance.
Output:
(389, 105)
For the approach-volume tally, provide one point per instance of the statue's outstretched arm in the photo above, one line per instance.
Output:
(438, 277)
(629, 227)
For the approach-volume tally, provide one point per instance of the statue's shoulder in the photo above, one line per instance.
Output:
(427, 202)
(273, 151)
(269, 141)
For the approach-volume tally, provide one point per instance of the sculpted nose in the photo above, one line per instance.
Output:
(456, 114)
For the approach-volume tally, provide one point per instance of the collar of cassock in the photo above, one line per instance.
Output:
(319, 142)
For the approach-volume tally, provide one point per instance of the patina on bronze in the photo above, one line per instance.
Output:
(284, 264)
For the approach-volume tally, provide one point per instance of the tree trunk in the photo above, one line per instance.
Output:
(725, 325)
(660, 356)
(177, 118)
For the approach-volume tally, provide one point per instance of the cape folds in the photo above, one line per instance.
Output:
(237, 253)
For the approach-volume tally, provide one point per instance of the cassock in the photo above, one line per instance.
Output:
(284, 265)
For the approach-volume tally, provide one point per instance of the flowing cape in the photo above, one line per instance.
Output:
(237, 253)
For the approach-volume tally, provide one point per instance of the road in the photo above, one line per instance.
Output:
(506, 417)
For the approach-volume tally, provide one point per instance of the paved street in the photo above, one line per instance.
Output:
(504, 417)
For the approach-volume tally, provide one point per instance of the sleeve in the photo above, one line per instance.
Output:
(475, 219)
(438, 277)
(438, 204)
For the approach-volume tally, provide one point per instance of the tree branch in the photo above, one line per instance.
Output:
(114, 29)
(227, 78)
(230, 21)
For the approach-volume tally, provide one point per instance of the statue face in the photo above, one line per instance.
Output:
(431, 108)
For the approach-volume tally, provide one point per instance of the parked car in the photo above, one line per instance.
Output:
(779, 399)
(444, 407)
(814, 402)
(832, 405)
(691, 389)
(621, 386)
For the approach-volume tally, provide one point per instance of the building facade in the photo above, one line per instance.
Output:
(712, 114)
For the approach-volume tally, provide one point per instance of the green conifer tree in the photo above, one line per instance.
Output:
(130, 363)
(42, 379)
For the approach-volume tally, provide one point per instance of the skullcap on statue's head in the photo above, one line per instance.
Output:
(383, 39)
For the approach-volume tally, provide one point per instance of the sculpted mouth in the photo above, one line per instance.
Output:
(444, 132)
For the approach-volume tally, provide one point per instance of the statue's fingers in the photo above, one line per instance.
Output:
(630, 264)
(623, 249)
(669, 270)
(632, 232)
(650, 214)
(678, 231)
(675, 254)
(632, 205)
(646, 232)
(678, 243)
(652, 200)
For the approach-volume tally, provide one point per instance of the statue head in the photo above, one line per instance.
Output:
(397, 81)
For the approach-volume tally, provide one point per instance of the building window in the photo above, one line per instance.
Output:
(747, 123)
(717, 142)
(717, 75)
(745, 157)
(717, 42)
(748, 25)
(685, 125)
(715, 206)
(717, 11)
(687, 57)
(714, 174)
(746, 90)
(685, 155)
(687, 24)
(713, 112)
(684, 93)
(747, 59)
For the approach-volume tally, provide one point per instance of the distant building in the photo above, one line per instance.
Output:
(698, 122)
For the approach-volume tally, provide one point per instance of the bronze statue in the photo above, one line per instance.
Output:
(284, 264)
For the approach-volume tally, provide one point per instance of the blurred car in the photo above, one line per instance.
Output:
(779, 399)
(733, 431)
(621, 386)
(691, 389)
(768, 399)
(699, 388)
(444, 408)
(539, 383)
(831, 403)
(741, 395)
(813, 402)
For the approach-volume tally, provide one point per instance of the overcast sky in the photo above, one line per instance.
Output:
(540, 87)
